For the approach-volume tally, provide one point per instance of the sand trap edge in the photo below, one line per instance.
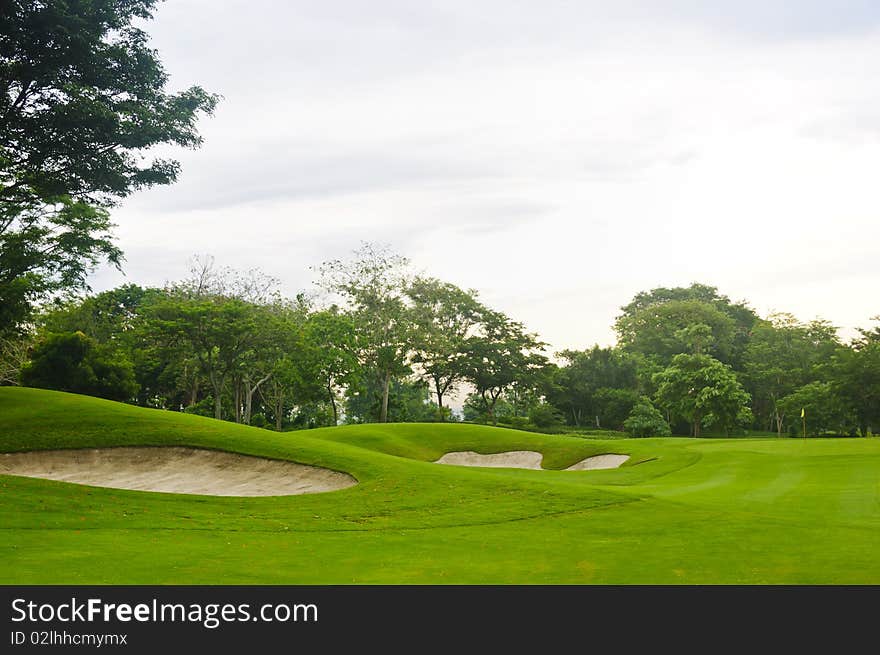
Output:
(185, 470)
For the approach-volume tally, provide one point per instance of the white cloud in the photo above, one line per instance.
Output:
(553, 158)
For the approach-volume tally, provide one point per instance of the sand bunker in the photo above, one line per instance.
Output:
(175, 470)
(527, 459)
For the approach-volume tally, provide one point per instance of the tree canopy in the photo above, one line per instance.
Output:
(382, 344)
(83, 99)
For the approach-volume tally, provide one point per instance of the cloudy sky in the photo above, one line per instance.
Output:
(558, 156)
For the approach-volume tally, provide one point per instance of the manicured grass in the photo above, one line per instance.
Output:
(680, 510)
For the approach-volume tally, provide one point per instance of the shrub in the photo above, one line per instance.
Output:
(545, 416)
(645, 420)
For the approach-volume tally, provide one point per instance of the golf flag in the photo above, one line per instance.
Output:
(802, 412)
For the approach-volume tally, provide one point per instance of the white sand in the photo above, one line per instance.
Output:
(175, 470)
(527, 459)
(599, 462)
(517, 459)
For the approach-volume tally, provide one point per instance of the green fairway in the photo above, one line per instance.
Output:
(678, 511)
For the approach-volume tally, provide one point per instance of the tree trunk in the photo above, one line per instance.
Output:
(249, 396)
(236, 397)
(194, 393)
(332, 397)
(439, 400)
(248, 403)
(698, 424)
(217, 387)
(279, 409)
(492, 407)
(386, 387)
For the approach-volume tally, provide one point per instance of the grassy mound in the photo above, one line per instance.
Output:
(679, 510)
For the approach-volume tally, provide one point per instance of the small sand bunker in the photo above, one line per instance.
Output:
(599, 462)
(175, 470)
(527, 459)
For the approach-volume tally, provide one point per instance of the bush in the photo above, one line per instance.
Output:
(545, 416)
(645, 420)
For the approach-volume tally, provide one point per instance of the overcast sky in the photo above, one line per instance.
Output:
(557, 156)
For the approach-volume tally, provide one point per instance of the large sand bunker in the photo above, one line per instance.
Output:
(527, 459)
(175, 470)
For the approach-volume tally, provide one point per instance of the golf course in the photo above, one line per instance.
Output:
(676, 511)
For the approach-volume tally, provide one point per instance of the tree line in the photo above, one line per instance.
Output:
(378, 344)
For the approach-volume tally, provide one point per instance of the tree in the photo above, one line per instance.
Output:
(784, 354)
(372, 284)
(856, 375)
(544, 415)
(331, 353)
(701, 390)
(612, 406)
(645, 420)
(13, 357)
(73, 362)
(105, 317)
(408, 401)
(443, 316)
(46, 250)
(83, 97)
(824, 409)
(82, 103)
(276, 329)
(646, 326)
(573, 387)
(217, 331)
(665, 330)
(502, 354)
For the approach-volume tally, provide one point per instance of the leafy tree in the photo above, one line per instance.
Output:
(331, 353)
(701, 390)
(648, 326)
(46, 250)
(475, 409)
(373, 284)
(105, 317)
(870, 336)
(217, 331)
(645, 420)
(784, 354)
(612, 406)
(114, 320)
(442, 316)
(73, 362)
(502, 354)
(83, 98)
(856, 375)
(82, 102)
(573, 387)
(275, 335)
(665, 330)
(544, 415)
(408, 401)
(824, 409)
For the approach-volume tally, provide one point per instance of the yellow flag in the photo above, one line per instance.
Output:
(802, 412)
